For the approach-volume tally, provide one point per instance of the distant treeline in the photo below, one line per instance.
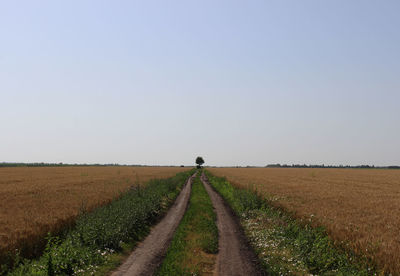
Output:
(41, 164)
(331, 166)
(316, 166)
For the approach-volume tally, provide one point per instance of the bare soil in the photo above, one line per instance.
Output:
(235, 256)
(149, 254)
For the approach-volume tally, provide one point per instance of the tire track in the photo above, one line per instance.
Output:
(149, 254)
(235, 256)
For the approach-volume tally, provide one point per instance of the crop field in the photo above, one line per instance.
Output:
(36, 200)
(359, 207)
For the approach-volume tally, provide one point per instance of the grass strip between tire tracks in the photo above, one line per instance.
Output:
(91, 245)
(195, 243)
(284, 245)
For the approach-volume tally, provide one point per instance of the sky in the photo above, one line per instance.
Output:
(236, 82)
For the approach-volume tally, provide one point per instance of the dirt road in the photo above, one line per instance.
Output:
(234, 256)
(149, 254)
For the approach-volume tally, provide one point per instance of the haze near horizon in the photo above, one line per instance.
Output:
(237, 82)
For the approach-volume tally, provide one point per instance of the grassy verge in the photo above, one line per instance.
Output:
(98, 235)
(192, 250)
(284, 245)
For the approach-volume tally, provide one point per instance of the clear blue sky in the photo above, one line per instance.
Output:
(237, 82)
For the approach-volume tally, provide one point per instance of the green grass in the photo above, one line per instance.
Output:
(284, 245)
(91, 245)
(195, 243)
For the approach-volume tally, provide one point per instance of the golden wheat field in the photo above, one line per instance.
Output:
(358, 207)
(35, 200)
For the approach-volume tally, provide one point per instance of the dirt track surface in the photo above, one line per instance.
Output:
(234, 256)
(149, 254)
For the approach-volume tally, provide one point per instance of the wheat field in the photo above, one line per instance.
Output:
(360, 208)
(36, 200)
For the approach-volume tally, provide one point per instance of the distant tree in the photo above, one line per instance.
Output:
(199, 161)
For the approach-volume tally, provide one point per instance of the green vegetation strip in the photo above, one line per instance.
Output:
(284, 245)
(109, 229)
(195, 243)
